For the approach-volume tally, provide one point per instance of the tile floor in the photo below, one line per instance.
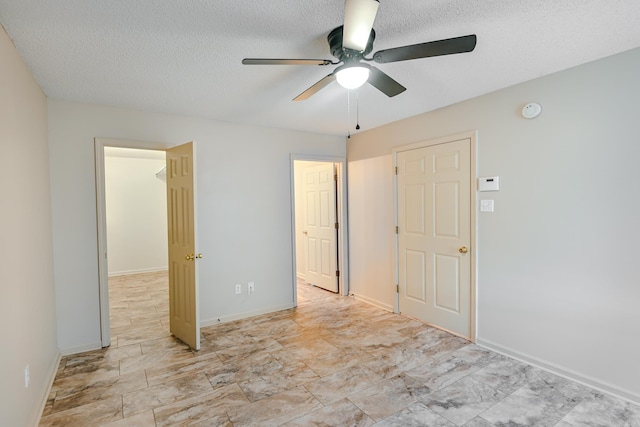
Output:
(333, 361)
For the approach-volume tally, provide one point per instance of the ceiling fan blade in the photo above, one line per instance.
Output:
(358, 22)
(316, 87)
(426, 50)
(384, 83)
(267, 61)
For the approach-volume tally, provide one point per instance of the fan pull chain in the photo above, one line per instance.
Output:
(348, 112)
(358, 110)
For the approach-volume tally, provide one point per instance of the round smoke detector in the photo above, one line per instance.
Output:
(531, 110)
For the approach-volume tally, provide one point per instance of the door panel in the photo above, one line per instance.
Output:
(326, 218)
(415, 272)
(312, 256)
(414, 209)
(446, 199)
(311, 212)
(181, 220)
(447, 282)
(326, 255)
(434, 221)
(320, 217)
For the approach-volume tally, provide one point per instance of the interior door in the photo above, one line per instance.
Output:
(181, 220)
(319, 188)
(434, 232)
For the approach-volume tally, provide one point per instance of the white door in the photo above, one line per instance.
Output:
(320, 227)
(434, 235)
(181, 219)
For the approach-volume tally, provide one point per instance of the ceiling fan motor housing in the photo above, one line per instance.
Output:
(345, 54)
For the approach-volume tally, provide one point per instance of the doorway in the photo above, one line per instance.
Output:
(435, 208)
(318, 189)
(181, 233)
(136, 210)
(136, 220)
(121, 266)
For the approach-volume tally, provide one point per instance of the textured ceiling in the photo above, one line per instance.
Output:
(184, 56)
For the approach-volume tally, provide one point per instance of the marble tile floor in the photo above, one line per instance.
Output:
(332, 361)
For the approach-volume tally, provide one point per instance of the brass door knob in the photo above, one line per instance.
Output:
(199, 256)
(463, 250)
(304, 232)
(189, 257)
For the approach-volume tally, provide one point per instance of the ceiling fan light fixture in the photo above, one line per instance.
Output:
(352, 77)
(358, 21)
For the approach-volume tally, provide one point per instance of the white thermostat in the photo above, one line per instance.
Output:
(489, 183)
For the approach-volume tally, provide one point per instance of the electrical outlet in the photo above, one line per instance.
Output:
(251, 288)
(486, 205)
(26, 377)
(238, 289)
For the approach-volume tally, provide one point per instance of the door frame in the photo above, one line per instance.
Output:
(472, 136)
(101, 213)
(341, 216)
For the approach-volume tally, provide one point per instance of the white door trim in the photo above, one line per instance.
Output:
(472, 136)
(343, 243)
(103, 272)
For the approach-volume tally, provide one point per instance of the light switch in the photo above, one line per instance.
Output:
(486, 205)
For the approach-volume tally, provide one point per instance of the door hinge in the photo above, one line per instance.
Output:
(396, 229)
(337, 273)
(337, 226)
(335, 177)
(396, 170)
(397, 289)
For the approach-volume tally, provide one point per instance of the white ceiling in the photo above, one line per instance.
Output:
(184, 56)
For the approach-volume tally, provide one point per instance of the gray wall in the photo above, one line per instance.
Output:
(557, 280)
(243, 206)
(136, 211)
(371, 231)
(27, 309)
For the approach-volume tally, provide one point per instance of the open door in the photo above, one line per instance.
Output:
(181, 220)
(319, 187)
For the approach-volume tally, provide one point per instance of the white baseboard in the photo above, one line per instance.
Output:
(373, 302)
(586, 380)
(232, 317)
(140, 271)
(301, 276)
(81, 348)
(53, 370)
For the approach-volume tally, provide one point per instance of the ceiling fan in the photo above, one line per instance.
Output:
(351, 42)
